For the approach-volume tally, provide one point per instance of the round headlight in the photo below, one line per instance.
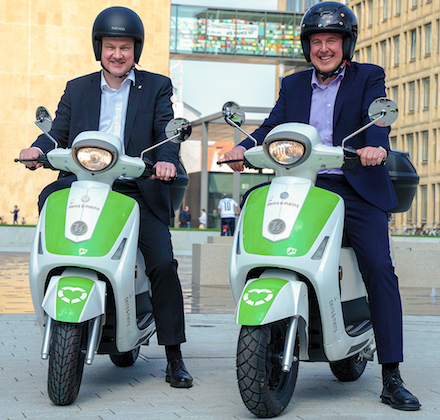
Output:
(94, 159)
(286, 152)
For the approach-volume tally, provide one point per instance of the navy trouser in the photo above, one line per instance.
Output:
(366, 227)
(155, 245)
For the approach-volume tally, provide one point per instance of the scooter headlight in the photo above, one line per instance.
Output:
(94, 159)
(285, 152)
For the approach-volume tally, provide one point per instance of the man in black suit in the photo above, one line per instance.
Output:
(135, 106)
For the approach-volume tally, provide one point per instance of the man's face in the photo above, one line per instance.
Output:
(117, 55)
(326, 51)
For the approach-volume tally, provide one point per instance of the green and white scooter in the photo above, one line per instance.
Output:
(88, 283)
(292, 283)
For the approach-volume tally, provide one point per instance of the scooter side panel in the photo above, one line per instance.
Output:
(315, 212)
(112, 219)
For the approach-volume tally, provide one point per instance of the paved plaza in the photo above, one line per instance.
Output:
(140, 391)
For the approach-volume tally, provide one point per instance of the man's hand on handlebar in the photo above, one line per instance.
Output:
(164, 171)
(237, 153)
(31, 153)
(371, 156)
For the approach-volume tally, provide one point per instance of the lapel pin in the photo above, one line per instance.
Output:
(140, 87)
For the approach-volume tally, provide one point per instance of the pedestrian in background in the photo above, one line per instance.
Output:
(202, 219)
(15, 212)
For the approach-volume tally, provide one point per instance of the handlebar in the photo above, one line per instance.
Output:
(245, 163)
(41, 159)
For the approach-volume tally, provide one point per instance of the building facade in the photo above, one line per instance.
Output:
(403, 36)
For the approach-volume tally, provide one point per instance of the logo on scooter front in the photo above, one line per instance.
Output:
(72, 291)
(78, 228)
(259, 295)
(276, 226)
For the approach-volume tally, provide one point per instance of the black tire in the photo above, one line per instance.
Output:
(66, 362)
(264, 388)
(125, 359)
(349, 369)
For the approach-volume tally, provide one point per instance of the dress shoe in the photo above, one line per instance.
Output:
(177, 375)
(395, 394)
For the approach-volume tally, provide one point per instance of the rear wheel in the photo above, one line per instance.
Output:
(349, 369)
(125, 359)
(66, 362)
(264, 388)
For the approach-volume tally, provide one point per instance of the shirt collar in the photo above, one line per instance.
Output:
(317, 84)
(130, 77)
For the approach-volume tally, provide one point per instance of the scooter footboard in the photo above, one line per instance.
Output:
(273, 296)
(75, 296)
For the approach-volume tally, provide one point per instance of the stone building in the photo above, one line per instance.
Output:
(403, 36)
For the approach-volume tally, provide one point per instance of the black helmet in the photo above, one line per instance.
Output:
(330, 16)
(118, 22)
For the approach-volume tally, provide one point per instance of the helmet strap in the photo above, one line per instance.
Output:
(335, 72)
(118, 77)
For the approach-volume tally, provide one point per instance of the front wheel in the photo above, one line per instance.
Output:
(264, 388)
(66, 361)
(349, 369)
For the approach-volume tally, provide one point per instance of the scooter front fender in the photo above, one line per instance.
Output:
(75, 296)
(275, 295)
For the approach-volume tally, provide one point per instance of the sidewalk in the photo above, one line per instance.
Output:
(140, 391)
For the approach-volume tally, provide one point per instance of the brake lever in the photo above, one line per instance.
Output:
(41, 159)
(150, 170)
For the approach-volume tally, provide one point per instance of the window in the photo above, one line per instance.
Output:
(368, 54)
(383, 48)
(393, 142)
(413, 44)
(428, 31)
(396, 49)
(411, 94)
(425, 146)
(414, 3)
(357, 56)
(426, 91)
(359, 12)
(436, 90)
(398, 7)
(395, 91)
(370, 12)
(424, 193)
(385, 10)
(410, 141)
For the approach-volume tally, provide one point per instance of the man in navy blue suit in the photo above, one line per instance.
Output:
(334, 97)
(134, 106)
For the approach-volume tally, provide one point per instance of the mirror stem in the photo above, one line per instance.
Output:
(47, 134)
(157, 145)
(362, 129)
(244, 132)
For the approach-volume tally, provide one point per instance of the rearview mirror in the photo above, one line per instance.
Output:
(178, 130)
(383, 112)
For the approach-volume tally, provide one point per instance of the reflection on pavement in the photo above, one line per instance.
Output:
(15, 295)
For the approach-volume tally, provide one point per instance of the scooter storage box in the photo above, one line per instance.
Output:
(404, 178)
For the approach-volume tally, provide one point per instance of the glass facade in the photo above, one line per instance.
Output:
(198, 30)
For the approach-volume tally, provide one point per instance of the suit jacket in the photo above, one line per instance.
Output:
(149, 110)
(361, 84)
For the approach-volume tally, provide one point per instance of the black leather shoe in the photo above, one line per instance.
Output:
(177, 375)
(395, 394)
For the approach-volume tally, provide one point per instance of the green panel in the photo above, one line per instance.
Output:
(257, 299)
(72, 294)
(314, 214)
(114, 215)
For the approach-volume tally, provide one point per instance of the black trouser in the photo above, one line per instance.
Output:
(155, 245)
